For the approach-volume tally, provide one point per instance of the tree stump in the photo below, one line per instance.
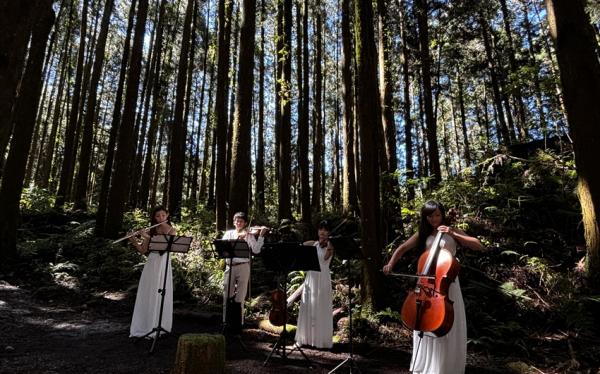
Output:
(200, 353)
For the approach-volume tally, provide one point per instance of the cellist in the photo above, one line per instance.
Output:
(448, 353)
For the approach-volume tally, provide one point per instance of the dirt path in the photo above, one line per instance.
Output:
(71, 336)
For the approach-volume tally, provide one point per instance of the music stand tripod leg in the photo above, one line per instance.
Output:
(297, 347)
(350, 359)
(276, 347)
(158, 329)
(225, 329)
(281, 342)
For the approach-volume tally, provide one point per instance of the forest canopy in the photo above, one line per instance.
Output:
(289, 110)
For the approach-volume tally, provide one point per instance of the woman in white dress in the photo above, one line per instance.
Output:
(448, 353)
(315, 320)
(146, 311)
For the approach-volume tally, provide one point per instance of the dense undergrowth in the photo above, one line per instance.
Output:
(525, 296)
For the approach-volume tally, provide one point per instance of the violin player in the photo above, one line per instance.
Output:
(238, 274)
(315, 321)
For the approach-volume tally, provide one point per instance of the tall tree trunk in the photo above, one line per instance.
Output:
(543, 124)
(518, 95)
(425, 170)
(142, 117)
(16, 19)
(558, 97)
(242, 121)
(284, 75)
(391, 207)
(211, 200)
(406, 104)
(349, 195)
(208, 154)
(114, 130)
(178, 133)
(318, 147)
(70, 147)
(224, 30)
(25, 110)
(576, 50)
(158, 101)
(188, 103)
(117, 196)
(43, 174)
(90, 114)
(463, 121)
(421, 9)
(501, 128)
(205, 76)
(157, 166)
(303, 111)
(260, 147)
(235, 33)
(373, 290)
(385, 88)
(486, 119)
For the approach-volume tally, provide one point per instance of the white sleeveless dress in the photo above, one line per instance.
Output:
(147, 302)
(315, 321)
(446, 354)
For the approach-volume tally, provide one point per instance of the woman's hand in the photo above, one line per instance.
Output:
(447, 229)
(388, 268)
(462, 238)
(329, 250)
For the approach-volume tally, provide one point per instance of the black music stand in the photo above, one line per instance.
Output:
(284, 257)
(347, 248)
(228, 249)
(165, 244)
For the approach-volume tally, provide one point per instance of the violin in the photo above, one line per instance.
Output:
(278, 314)
(428, 307)
(255, 230)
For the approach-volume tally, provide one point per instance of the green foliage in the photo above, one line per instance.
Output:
(509, 289)
(388, 315)
(36, 200)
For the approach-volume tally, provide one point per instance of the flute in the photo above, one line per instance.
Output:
(136, 232)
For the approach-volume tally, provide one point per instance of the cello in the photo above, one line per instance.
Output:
(278, 314)
(428, 308)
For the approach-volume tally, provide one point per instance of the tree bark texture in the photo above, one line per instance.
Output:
(576, 49)
(242, 122)
(25, 110)
(368, 114)
(119, 188)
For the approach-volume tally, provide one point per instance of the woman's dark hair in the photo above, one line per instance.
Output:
(425, 228)
(324, 224)
(155, 210)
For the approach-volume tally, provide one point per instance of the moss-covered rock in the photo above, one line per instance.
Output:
(268, 326)
(200, 353)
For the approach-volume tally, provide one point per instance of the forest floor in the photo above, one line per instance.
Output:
(89, 334)
(66, 309)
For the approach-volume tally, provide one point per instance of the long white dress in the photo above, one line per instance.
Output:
(446, 354)
(315, 321)
(147, 302)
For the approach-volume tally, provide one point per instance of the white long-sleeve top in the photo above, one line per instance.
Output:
(254, 244)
